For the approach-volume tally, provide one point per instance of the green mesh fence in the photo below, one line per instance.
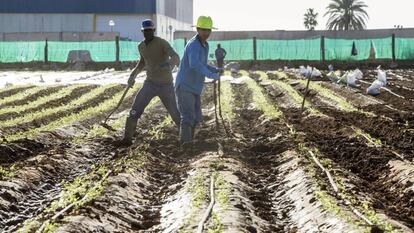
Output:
(383, 48)
(306, 49)
(102, 51)
(341, 49)
(22, 51)
(179, 46)
(128, 51)
(236, 49)
(404, 48)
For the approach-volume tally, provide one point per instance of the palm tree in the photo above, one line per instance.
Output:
(346, 15)
(310, 19)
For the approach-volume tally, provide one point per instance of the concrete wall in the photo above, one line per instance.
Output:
(78, 6)
(163, 23)
(128, 26)
(181, 10)
(177, 13)
(185, 11)
(289, 35)
(46, 22)
(59, 36)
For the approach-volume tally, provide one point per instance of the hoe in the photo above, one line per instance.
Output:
(104, 123)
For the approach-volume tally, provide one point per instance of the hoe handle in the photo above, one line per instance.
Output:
(119, 103)
(306, 93)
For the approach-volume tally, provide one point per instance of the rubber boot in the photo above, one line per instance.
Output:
(185, 134)
(194, 132)
(130, 126)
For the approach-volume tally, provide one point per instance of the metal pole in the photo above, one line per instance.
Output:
(46, 52)
(255, 48)
(117, 48)
(323, 48)
(393, 47)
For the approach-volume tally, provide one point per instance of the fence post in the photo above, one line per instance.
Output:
(255, 48)
(393, 47)
(117, 48)
(46, 51)
(323, 48)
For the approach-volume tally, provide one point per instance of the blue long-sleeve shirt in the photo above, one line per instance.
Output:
(194, 68)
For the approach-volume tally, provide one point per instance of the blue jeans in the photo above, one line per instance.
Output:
(148, 91)
(189, 105)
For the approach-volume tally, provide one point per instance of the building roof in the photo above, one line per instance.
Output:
(78, 6)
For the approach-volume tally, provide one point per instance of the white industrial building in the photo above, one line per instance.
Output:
(45, 16)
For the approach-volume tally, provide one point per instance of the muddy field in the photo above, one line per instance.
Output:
(343, 164)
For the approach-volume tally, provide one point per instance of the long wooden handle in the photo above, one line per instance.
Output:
(306, 93)
(119, 103)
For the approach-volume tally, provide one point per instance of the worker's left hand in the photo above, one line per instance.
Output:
(221, 71)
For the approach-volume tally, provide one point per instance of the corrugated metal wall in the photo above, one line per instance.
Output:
(46, 23)
(129, 26)
(78, 6)
(67, 16)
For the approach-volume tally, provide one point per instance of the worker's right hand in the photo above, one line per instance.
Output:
(131, 80)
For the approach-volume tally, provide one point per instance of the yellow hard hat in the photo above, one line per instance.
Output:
(205, 22)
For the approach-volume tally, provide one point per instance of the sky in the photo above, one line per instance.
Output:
(233, 15)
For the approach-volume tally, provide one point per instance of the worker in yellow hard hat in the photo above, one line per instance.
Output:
(191, 76)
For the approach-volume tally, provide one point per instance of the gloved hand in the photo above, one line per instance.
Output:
(131, 80)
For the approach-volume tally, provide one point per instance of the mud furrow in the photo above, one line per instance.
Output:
(9, 91)
(337, 140)
(76, 93)
(395, 135)
(389, 132)
(270, 160)
(38, 122)
(134, 194)
(64, 161)
(19, 149)
(394, 101)
(370, 164)
(32, 97)
(371, 104)
(258, 157)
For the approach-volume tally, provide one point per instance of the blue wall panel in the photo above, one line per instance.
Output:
(78, 6)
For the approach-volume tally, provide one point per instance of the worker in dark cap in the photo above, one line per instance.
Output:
(158, 58)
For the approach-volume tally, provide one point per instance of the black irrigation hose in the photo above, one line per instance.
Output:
(336, 190)
(207, 213)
